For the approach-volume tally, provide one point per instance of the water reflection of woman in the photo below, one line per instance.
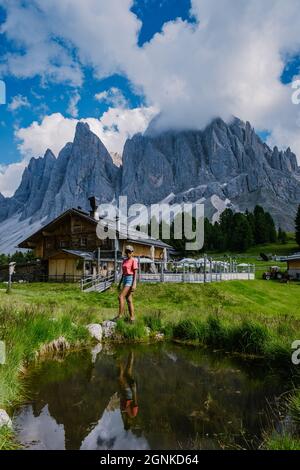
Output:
(128, 393)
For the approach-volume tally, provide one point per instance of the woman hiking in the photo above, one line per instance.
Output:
(127, 283)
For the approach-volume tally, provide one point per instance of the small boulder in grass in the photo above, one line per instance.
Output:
(5, 419)
(95, 331)
(109, 329)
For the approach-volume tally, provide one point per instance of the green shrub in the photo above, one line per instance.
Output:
(190, 330)
(133, 332)
(154, 321)
(168, 330)
(248, 338)
(278, 352)
(216, 333)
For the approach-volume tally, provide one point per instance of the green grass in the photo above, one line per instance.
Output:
(24, 332)
(242, 313)
(25, 328)
(7, 440)
(282, 442)
(134, 332)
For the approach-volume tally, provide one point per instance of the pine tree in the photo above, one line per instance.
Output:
(208, 235)
(282, 236)
(261, 234)
(218, 240)
(225, 223)
(241, 235)
(270, 227)
(297, 226)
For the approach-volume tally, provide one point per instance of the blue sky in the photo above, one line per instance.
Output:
(45, 99)
(184, 56)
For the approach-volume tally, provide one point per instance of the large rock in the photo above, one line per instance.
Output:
(95, 331)
(5, 419)
(31, 192)
(90, 171)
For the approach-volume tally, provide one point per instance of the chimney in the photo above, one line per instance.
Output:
(94, 206)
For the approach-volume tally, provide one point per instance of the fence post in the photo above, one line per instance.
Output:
(162, 271)
(115, 261)
(99, 257)
(204, 278)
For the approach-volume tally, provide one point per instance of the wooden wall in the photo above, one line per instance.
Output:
(76, 233)
(65, 265)
(294, 264)
(294, 269)
(71, 233)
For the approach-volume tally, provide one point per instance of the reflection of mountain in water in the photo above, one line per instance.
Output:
(109, 434)
(184, 396)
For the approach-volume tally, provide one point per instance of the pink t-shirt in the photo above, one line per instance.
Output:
(129, 265)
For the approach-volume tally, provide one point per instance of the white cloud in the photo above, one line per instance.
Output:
(55, 130)
(10, 177)
(18, 102)
(113, 96)
(72, 108)
(119, 124)
(113, 128)
(228, 63)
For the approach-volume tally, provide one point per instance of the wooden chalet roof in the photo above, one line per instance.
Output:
(133, 236)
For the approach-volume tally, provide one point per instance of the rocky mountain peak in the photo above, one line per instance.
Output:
(223, 165)
(225, 161)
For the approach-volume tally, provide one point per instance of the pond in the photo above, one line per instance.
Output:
(162, 396)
